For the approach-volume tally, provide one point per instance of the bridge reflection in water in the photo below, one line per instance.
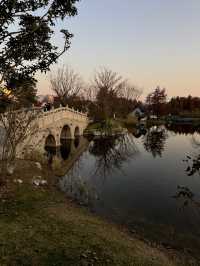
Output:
(67, 154)
(65, 148)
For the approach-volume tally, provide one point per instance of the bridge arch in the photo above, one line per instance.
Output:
(76, 142)
(65, 133)
(66, 148)
(76, 132)
(50, 141)
(50, 147)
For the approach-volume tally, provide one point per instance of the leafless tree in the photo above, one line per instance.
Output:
(15, 126)
(89, 92)
(114, 83)
(108, 80)
(67, 84)
(129, 91)
(111, 93)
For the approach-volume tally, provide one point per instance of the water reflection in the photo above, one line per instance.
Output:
(137, 189)
(76, 142)
(186, 129)
(196, 141)
(50, 153)
(193, 165)
(184, 194)
(137, 132)
(77, 188)
(65, 148)
(193, 161)
(187, 198)
(155, 140)
(112, 152)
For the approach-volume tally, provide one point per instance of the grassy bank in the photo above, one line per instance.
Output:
(107, 127)
(39, 226)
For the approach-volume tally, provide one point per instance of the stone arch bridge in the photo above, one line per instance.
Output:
(56, 126)
(51, 129)
(48, 129)
(61, 123)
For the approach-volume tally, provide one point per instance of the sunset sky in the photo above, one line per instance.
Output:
(151, 42)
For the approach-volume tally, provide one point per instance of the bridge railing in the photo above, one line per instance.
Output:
(63, 109)
(46, 113)
(40, 114)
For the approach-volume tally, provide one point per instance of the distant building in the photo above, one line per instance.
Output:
(138, 112)
(135, 116)
(153, 117)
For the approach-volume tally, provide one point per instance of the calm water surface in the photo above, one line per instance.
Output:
(141, 180)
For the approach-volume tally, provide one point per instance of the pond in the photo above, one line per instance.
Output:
(147, 181)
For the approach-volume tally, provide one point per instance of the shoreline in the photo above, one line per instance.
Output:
(27, 210)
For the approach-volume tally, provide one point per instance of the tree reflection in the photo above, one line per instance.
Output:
(112, 152)
(137, 132)
(65, 148)
(193, 162)
(196, 141)
(193, 165)
(184, 194)
(76, 142)
(187, 198)
(78, 187)
(186, 129)
(154, 140)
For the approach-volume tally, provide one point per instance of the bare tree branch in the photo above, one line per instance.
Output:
(16, 126)
(66, 84)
